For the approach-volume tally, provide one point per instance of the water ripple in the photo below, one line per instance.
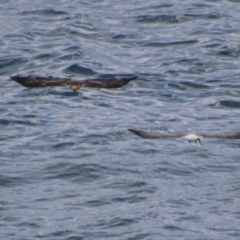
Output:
(70, 169)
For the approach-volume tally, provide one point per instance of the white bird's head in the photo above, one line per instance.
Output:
(193, 138)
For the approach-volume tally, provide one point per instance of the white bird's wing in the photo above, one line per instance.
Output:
(221, 135)
(154, 135)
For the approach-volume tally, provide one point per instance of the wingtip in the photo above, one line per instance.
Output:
(12, 77)
(131, 130)
(134, 131)
(17, 77)
(128, 78)
(132, 78)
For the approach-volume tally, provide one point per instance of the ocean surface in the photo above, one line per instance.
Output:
(70, 169)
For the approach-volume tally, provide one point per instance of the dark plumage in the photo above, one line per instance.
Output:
(33, 82)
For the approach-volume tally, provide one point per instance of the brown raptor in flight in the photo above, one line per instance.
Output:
(34, 82)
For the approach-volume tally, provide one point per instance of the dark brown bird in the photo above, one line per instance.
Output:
(34, 82)
(190, 137)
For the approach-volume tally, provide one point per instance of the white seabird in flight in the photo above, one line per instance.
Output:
(190, 137)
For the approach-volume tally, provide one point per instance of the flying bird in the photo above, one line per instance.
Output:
(190, 137)
(34, 82)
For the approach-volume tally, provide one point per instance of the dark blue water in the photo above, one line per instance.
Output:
(70, 169)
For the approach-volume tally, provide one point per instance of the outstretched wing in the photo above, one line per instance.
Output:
(107, 83)
(222, 136)
(33, 82)
(154, 135)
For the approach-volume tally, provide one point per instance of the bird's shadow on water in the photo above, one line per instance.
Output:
(214, 149)
(64, 93)
(37, 92)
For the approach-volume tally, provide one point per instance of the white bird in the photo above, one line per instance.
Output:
(190, 137)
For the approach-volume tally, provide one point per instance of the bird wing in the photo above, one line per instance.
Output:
(222, 136)
(107, 83)
(154, 135)
(33, 82)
